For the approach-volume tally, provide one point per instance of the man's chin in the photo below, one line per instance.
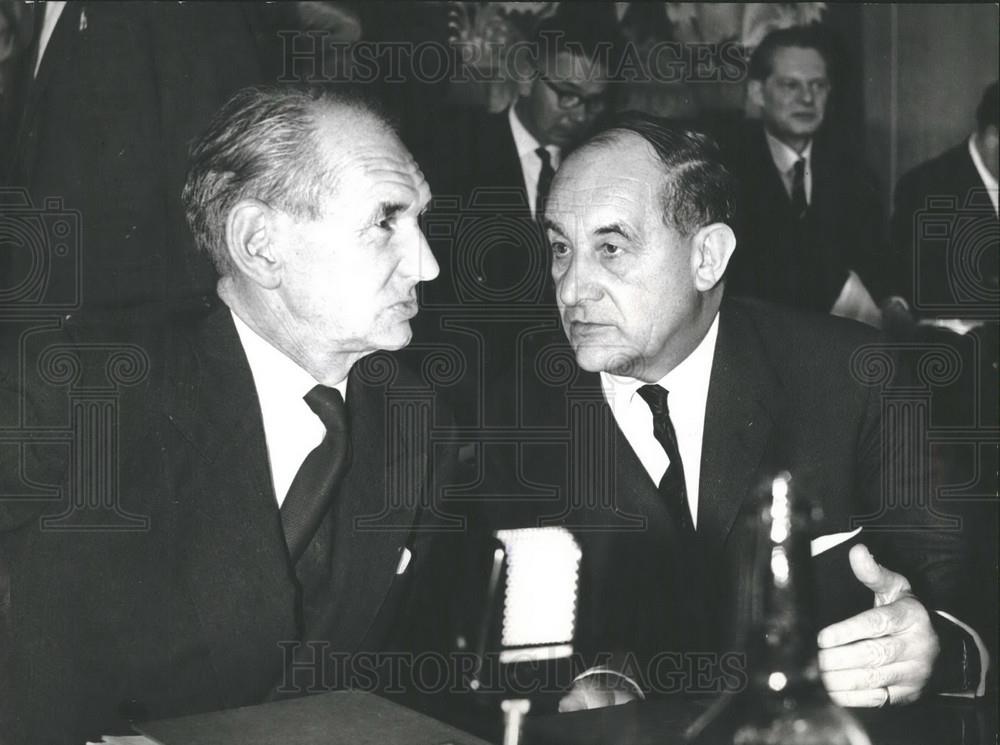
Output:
(597, 359)
(399, 338)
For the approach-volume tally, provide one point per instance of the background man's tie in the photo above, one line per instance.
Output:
(318, 478)
(799, 202)
(672, 486)
(544, 181)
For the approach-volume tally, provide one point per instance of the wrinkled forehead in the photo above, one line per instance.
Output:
(366, 160)
(619, 180)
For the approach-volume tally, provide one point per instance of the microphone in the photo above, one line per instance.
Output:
(531, 601)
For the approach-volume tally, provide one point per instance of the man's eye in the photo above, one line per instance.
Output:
(559, 248)
(385, 223)
(610, 249)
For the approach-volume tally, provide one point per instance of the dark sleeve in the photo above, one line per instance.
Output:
(900, 257)
(910, 532)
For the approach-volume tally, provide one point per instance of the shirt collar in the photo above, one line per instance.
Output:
(689, 378)
(783, 156)
(525, 142)
(977, 160)
(275, 375)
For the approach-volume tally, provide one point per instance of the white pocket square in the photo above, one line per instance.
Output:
(826, 542)
(404, 560)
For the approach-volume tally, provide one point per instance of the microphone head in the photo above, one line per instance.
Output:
(540, 593)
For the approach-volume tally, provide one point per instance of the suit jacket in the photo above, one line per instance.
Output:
(803, 263)
(786, 392)
(940, 264)
(103, 135)
(495, 283)
(177, 596)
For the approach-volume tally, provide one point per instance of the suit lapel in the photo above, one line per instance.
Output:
(375, 510)
(60, 47)
(499, 158)
(227, 516)
(740, 416)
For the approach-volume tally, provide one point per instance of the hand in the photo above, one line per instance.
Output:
(883, 655)
(596, 692)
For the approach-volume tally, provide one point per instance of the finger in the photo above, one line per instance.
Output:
(867, 653)
(892, 696)
(865, 678)
(869, 624)
(886, 584)
(872, 699)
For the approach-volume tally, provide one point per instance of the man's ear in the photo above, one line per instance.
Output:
(252, 230)
(712, 247)
(755, 92)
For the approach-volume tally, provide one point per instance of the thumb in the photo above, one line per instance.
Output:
(886, 584)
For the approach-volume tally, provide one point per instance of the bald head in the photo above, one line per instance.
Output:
(265, 144)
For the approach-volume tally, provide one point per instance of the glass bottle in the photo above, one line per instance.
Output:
(784, 702)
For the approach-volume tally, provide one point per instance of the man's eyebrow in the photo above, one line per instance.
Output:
(552, 225)
(388, 210)
(615, 228)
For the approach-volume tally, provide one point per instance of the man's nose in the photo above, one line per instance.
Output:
(423, 264)
(573, 285)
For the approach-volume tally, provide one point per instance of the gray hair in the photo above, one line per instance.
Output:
(262, 145)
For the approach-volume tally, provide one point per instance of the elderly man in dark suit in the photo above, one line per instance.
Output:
(235, 507)
(685, 401)
(810, 222)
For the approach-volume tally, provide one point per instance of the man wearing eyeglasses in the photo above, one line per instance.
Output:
(811, 217)
(494, 172)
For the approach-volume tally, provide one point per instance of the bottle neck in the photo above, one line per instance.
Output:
(784, 654)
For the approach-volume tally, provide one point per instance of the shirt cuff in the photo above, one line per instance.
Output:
(617, 679)
(984, 657)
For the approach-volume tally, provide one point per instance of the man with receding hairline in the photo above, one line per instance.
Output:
(686, 401)
(276, 502)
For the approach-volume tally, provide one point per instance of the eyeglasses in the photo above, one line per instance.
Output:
(571, 99)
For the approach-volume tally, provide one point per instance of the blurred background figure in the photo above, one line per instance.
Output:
(810, 220)
(945, 236)
(104, 100)
(490, 173)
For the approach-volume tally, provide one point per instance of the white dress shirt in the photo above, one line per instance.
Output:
(785, 158)
(688, 387)
(988, 180)
(531, 164)
(291, 429)
(51, 10)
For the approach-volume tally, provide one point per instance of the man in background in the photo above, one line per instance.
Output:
(945, 290)
(491, 174)
(108, 97)
(810, 220)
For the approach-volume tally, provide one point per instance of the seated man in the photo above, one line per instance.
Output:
(206, 503)
(685, 401)
(810, 221)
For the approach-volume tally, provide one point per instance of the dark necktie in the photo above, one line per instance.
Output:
(671, 487)
(799, 202)
(318, 478)
(544, 181)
